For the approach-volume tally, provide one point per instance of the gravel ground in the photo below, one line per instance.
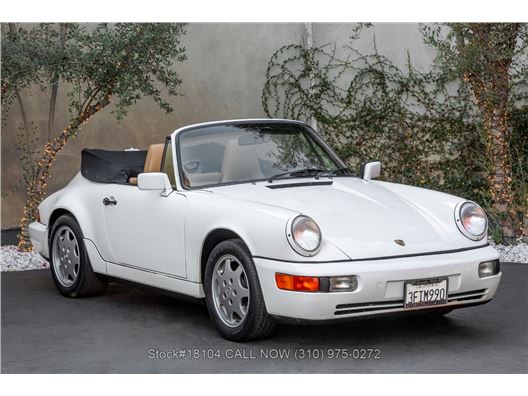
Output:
(517, 253)
(13, 260)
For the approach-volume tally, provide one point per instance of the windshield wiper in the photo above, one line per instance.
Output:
(298, 172)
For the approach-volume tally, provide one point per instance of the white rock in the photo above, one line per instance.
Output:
(13, 260)
(517, 253)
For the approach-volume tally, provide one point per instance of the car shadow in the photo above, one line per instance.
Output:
(367, 331)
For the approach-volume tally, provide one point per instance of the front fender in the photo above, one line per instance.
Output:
(261, 227)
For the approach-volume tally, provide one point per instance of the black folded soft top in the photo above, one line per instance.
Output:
(105, 166)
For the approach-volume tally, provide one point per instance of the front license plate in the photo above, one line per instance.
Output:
(425, 292)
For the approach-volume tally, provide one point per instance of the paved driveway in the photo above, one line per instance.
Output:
(132, 330)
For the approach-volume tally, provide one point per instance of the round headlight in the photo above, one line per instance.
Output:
(304, 236)
(471, 220)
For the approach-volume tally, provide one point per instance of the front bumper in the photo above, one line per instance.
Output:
(38, 233)
(381, 283)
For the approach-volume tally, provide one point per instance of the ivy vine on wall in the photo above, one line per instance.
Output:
(423, 126)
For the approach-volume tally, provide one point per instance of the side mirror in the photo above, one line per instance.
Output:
(155, 181)
(370, 170)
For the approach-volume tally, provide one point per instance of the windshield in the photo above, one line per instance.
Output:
(221, 154)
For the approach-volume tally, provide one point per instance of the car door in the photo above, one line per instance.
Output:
(145, 230)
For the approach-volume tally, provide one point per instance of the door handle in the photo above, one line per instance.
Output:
(109, 201)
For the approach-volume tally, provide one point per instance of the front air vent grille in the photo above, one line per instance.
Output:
(346, 309)
(395, 303)
(305, 184)
(467, 296)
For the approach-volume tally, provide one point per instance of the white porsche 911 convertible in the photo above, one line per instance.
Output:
(264, 221)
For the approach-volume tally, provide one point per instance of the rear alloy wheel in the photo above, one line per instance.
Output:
(69, 263)
(66, 256)
(233, 295)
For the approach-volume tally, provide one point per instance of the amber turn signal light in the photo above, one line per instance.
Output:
(297, 283)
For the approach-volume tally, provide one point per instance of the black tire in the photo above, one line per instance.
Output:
(87, 283)
(257, 323)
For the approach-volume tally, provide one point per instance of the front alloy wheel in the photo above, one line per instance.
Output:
(233, 294)
(230, 290)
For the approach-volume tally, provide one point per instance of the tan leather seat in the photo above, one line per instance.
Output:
(152, 162)
(240, 163)
(154, 157)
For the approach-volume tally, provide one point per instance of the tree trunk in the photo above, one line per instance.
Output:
(37, 189)
(27, 133)
(55, 87)
(53, 101)
(524, 231)
(500, 178)
(491, 86)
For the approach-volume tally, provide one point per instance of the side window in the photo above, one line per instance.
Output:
(168, 162)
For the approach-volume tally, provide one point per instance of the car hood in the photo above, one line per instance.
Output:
(364, 219)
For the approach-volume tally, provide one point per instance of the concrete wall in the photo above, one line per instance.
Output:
(222, 79)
